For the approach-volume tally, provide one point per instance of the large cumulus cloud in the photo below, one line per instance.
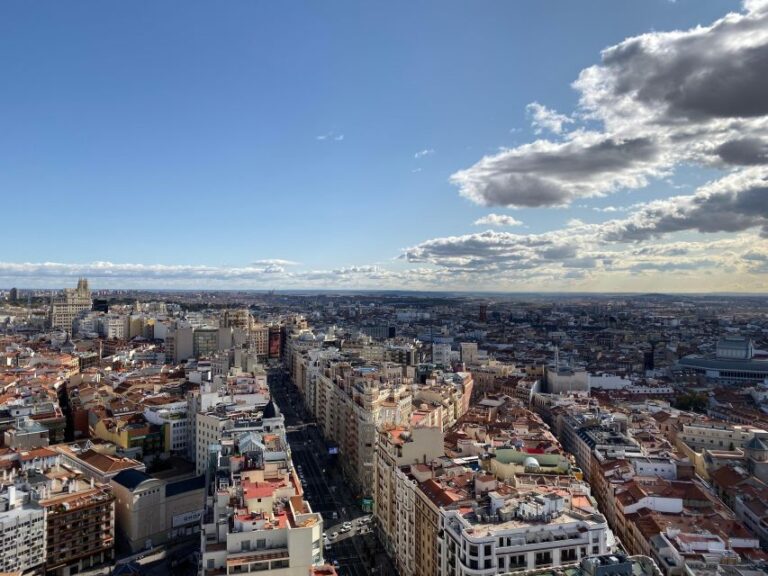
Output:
(660, 99)
(546, 173)
(734, 203)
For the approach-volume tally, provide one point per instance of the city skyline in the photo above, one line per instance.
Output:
(326, 145)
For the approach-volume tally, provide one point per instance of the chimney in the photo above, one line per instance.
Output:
(11, 497)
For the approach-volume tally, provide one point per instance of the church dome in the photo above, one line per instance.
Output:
(531, 462)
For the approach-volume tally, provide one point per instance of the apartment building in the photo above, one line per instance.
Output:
(215, 426)
(717, 435)
(526, 532)
(426, 522)
(256, 519)
(701, 442)
(397, 449)
(237, 318)
(179, 343)
(450, 393)
(207, 340)
(258, 339)
(114, 326)
(79, 524)
(351, 404)
(22, 532)
(582, 434)
(134, 436)
(173, 416)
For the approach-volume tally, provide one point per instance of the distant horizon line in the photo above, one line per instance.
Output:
(406, 291)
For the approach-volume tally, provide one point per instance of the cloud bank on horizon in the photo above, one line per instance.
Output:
(655, 103)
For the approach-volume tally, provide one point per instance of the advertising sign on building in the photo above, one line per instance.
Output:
(187, 518)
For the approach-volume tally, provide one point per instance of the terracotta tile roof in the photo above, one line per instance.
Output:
(727, 476)
(105, 462)
(37, 453)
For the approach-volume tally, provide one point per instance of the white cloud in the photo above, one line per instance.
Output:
(497, 220)
(756, 5)
(267, 276)
(543, 118)
(655, 101)
(734, 203)
(422, 153)
(274, 262)
(636, 244)
(330, 136)
(545, 173)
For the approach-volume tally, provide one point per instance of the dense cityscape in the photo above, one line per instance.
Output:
(402, 288)
(382, 433)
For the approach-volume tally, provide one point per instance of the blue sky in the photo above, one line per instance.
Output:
(325, 134)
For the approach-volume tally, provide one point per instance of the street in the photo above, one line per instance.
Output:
(357, 552)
